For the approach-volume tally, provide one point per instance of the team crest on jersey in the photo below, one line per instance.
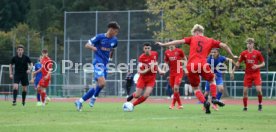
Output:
(176, 53)
(254, 56)
(112, 44)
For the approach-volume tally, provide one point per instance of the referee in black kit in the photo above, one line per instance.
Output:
(23, 66)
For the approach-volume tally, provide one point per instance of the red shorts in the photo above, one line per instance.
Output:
(44, 82)
(252, 77)
(199, 69)
(176, 79)
(145, 81)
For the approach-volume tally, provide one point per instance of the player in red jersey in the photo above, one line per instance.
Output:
(46, 70)
(147, 69)
(253, 60)
(174, 58)
(200, 47)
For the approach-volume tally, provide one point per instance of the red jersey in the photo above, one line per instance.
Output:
(173, 58)
(46, 63)
(200, 47)
(146, 60)
(251, 58)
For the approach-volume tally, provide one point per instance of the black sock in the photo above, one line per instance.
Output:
(206, 98)
(14, 95)
(24, 93)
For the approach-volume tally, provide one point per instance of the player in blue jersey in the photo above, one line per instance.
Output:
(36, 76)
(103, 47)
(215, 60)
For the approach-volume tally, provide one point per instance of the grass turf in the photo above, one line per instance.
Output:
(63, 117)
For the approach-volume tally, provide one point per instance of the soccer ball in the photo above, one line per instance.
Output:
(128, 107)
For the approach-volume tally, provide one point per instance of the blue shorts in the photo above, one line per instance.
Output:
(36, 83)
(100, 71)
(219, 81)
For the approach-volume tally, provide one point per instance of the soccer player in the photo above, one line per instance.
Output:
(103, 47)
(253, 60)
(174, 58)
(23, 66)
(46, 71)
(36, 77)
(148, 68)
(200, 47)
(215, 60)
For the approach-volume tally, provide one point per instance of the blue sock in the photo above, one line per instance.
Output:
(89, 94)
(219, 94)
(97, 91)
(38, 97)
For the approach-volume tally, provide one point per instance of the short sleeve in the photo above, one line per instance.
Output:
(12, 60)
(166, 58)
(187, 40)
(94, 40)
(28, 60)
(182, 55)
(260, 57)
(115, 43)
(241, 58)
(222, 59)
(215, 43)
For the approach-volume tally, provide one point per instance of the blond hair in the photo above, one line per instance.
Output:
(197, 27)
(250, 40)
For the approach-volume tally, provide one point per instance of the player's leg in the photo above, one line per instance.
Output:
(247, 83)
(219, 82)
(174, 99)
(144, 97)
(258, 84)
(207, 90)
(25, 83)
(190, 89)
(43, 95)
(128, 86)
(37, 93)
(16, 81)
(100, 77)
(139, 89)
(177, 83)
(186, 91)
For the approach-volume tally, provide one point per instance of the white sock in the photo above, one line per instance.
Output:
(81, 100)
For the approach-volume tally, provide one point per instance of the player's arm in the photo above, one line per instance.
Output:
(111, 54)
(30, 67)
(90, 46)
(160, 71)
(237, 65)
(143, 68)
(258, 66)
(11, 72)
(227, 49)
(175, 42)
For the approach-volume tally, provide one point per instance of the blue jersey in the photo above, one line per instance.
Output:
(216, 62)
(104, 45)
(38, 76)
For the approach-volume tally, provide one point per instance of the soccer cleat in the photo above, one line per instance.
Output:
(217, 102)
(130, 98)
(189, 97)
(207, 107)
(47, 100)
(23, 103)
(78, 105)
(215, 107)
(180, 107)
(92, 102)
(244, 109)
(171, 107)
(13, 103)
(260, 108)
(38, 104)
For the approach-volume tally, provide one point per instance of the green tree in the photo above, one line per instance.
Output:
(230, 21)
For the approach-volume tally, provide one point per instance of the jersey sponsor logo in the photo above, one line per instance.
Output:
(250, 61)
(172, 58)
(254, 56)
(105, 49)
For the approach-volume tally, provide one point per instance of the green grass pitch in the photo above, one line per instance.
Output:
(63, 117)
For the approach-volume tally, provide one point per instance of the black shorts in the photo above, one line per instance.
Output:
(21, 77)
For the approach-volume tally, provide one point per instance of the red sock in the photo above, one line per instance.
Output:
(43, 96)
(177, 95)
(213, 90)
(173, 100)
(139, 100)
(260, 98)
(200, 96)
(245, 101)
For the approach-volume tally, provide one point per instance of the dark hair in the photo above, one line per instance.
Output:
(113, 24)
(147, 44)
(20, 46)
(217, 49)
(44, 51)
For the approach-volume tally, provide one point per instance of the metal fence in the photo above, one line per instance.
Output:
(81, 26)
